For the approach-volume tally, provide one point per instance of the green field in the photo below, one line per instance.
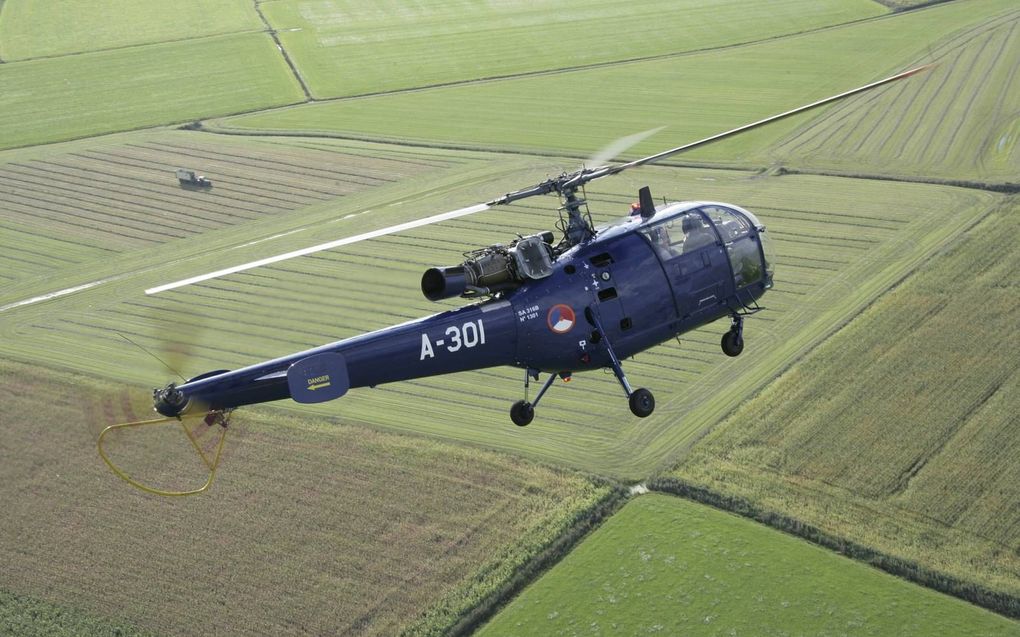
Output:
(663, 565)
(31, 28)
(83, 95)
(873, 409)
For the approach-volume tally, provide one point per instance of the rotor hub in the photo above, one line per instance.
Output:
(169, 401)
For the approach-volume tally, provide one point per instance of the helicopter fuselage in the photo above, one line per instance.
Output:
(634, 284)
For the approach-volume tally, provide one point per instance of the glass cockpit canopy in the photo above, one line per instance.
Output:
(691, 229)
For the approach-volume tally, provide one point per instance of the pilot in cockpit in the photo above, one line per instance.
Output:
(696, 233)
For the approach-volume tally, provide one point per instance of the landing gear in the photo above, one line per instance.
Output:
(733, 340)
(642, 403)
(522, 413)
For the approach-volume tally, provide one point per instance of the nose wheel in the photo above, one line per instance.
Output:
(733, 340)
(642, 403)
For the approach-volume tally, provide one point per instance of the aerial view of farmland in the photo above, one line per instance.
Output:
(437, 347)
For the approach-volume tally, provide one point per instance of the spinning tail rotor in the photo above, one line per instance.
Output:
(204, 428)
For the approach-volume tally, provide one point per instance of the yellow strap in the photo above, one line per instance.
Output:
(211, 464)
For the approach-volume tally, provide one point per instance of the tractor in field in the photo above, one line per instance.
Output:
(189, 178)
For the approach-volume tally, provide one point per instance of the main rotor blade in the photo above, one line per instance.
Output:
(453, 214)
(746, 127)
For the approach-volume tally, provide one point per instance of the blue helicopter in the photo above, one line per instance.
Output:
(587, 301)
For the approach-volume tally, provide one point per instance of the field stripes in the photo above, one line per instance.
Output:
(839, 243)
(954, 123)
(126, 196)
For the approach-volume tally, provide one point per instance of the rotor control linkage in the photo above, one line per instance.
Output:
(642, 403)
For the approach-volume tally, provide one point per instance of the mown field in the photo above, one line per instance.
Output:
(960, 123)
(663, 565)
(580, 111)
(900, 431)
(349, 47)
(836, 256)
(313, 527)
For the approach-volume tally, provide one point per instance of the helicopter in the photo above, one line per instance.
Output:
(586, 301)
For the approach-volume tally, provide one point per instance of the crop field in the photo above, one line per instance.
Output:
(581, 110)
(348, 47)
(664, 565)
(835, 257)
(875, 399)
(371, 533)
(900, 432)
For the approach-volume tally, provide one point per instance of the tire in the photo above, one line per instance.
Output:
(642, 403)
(522, 413)
(732, 344)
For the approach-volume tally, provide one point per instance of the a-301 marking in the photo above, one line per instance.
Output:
(466, 336)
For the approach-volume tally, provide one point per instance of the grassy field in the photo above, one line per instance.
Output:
(663, 565)
(900, 431)
(836, 254)
(348, 47)
(36, 28)
(312, 527)
(685, 95)
(82, 95)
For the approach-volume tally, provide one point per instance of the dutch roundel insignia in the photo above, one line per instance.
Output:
(560, 318)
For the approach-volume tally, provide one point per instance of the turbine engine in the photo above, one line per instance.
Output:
(493, 269)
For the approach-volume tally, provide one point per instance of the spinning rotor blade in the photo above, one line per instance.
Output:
(613, 150)
(453, 214)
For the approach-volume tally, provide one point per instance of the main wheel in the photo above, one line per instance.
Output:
(642, 403)
(522, 413)
(732, 343)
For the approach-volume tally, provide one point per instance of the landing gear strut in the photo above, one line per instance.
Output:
(523, 412)
(733, 340)
(642, 403)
